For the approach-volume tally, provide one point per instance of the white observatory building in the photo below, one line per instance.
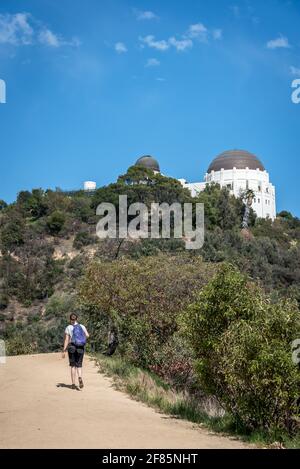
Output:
(239, 170)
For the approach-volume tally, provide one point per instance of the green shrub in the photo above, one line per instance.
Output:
(34, 337)
(242, 345)
(261, 380)
(59, 305)
(174, 363)
(12, 233)
(55, 222)
(18, 345)
(151, 247)
(33, 318)
(83, 238)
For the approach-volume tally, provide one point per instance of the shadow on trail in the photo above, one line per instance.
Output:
(69, 386)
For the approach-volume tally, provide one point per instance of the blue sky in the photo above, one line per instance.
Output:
(92, 85)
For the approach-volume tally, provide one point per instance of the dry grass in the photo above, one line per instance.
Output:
(150, 389)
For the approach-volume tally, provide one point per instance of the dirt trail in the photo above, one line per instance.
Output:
(36, 413)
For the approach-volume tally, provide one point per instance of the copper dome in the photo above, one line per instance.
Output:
(149, 162)
(239, 159)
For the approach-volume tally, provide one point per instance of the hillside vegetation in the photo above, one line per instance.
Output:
(218, 321)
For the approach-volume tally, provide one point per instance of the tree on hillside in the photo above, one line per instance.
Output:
(33, 204)
(137, 175)
(3, 204)
(222, 210)
(247, 197)
(142, 185)
(286, 215)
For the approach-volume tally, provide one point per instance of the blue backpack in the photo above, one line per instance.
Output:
(78, 336)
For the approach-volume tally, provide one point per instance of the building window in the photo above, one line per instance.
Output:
(259, 187)
(258, 200)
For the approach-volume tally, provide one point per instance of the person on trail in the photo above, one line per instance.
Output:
(76, 336)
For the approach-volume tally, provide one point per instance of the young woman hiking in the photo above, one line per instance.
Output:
(75, 339)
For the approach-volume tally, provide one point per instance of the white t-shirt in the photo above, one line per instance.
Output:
(70, 327)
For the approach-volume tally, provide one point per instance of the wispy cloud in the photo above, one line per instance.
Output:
(295, 70)
(151, 42)
(181, 44)
(198, 31)
(48, 38)
(280, 42)
(120, 47)
(217, 34)
(201, 33)
(23, 29)
(163, 45)
(15, 29)
(195, 32)
(152, 63)
(145, 15)
(160, 79)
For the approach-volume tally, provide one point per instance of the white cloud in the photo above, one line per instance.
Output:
(295, 70)
(158, 45)
(120, 47)
(198, 31)
(217, 34)
(22, 29)
(15, 29)
(152, 63)
(163, 45)
(145, 15)
(48, 38)
(182, 44)
(195, 31)
(160, 79)
(280, 42)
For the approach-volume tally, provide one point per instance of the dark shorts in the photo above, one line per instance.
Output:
(75, 353)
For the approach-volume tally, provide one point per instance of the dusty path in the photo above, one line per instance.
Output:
(35, 413)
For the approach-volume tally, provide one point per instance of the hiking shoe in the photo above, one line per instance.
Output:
(73, 386)
(80, 383)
